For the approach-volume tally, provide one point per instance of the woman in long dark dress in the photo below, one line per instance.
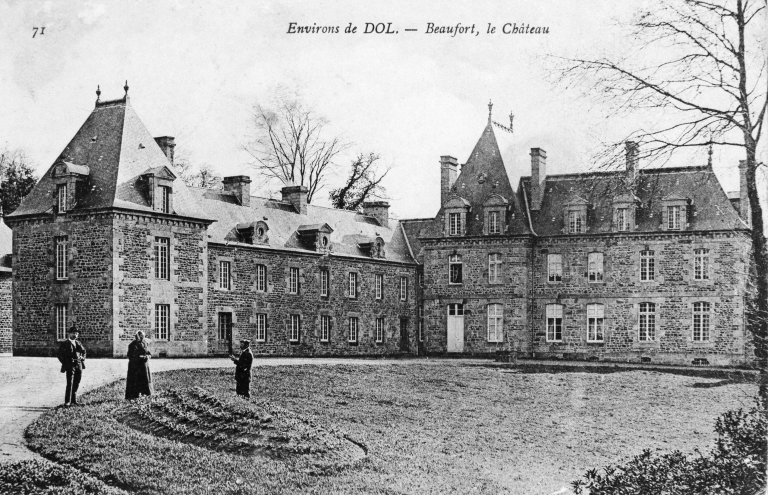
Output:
(139, 377)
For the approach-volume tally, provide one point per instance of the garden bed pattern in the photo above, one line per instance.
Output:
(236, 426)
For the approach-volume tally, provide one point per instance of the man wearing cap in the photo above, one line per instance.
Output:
(72, 357)
(243, 369)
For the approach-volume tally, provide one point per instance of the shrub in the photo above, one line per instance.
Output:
(44, 478)
(736, 465)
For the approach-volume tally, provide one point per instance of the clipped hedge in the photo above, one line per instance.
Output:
(736, 465)
(40, 477)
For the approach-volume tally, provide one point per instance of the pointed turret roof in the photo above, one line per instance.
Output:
(484, 176)
(116, 149)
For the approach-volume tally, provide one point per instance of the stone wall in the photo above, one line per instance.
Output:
(674, 291)
(6, 320)
(87, 290)
(244, 302)
(476, 292)
(138, 291)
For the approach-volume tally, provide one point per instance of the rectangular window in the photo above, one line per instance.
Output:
(494, 268)
(403, 288)
(595, 321)
(162, 258)
(554, 322)
(647, 266)
(379, 329)
(261, 278)
(673, 217)
(293, 280)
(647, 321)
(295, 330)
(224, 278)
(325, 279)
(61, 257)
(494, 226)
(162, 321)
(495, 322)
(165, 199)
(61, 194)
(575, 222)
(454, 269)
(378, 282)
(353, 330)
(622, 219)
(701, 322)
(701, 264)
(555, 267)
(352, 289)
(260, 330)
(225, 326)
(595, 267)
(61, 321)
(421, 323)
(454, 223)
(325, 328)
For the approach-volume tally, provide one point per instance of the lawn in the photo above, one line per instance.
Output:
(427, 427)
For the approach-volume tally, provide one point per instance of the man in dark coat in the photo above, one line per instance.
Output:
(139, 380)
(243, 369)
(72, 357)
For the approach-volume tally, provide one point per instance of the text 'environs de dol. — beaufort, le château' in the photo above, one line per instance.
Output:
(431, 28)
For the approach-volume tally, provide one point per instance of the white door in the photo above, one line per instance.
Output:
(455, 328)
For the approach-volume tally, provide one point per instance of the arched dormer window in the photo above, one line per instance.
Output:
(494, 215)
(455, 211)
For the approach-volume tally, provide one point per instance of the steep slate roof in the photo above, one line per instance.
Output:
(481, 177)
(415, 229)
(117, 149)
(713, 210)
(284, 222)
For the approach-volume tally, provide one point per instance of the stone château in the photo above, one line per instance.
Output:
(631, 265)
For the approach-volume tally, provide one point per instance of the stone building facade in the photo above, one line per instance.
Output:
(631, 265)
(634, 265)
(6, 321)
(111, 241)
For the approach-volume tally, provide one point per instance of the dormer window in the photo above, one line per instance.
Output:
(316, 236)
(622, 219)
(455, 211)
(165, 199)
(673, 217)
(575, 215)
(493, 223)
(61, 193)
(575, 222)
(624, 213)
(454, 224)
(675, 209)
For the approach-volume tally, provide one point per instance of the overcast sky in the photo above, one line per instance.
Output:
(196, 69)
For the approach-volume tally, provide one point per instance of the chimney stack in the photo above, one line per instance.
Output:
(449, 168)
(632, 152)
(166, 144)
(378, 210)
(538, 176)
(745, 211)
(297, 196)
(240, 187)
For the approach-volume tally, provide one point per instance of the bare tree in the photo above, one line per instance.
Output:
(204, 176)
(701, 66)
(363, 183)
(290, 143)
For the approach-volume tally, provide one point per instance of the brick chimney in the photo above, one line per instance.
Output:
(745, 211)
(240, 187)
(297, 196)
(378, 210)
(632, 153)
(538, 176)
(449, 168)
(166, 144)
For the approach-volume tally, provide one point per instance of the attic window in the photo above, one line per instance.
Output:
(165, 199)
(675, 212)
(325, 242)
(575, 222)
(673, 217)
(260, 231)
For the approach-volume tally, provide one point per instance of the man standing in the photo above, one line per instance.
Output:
(243, 369)
(72, 357)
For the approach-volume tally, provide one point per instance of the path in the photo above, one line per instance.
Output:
(29, 386)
